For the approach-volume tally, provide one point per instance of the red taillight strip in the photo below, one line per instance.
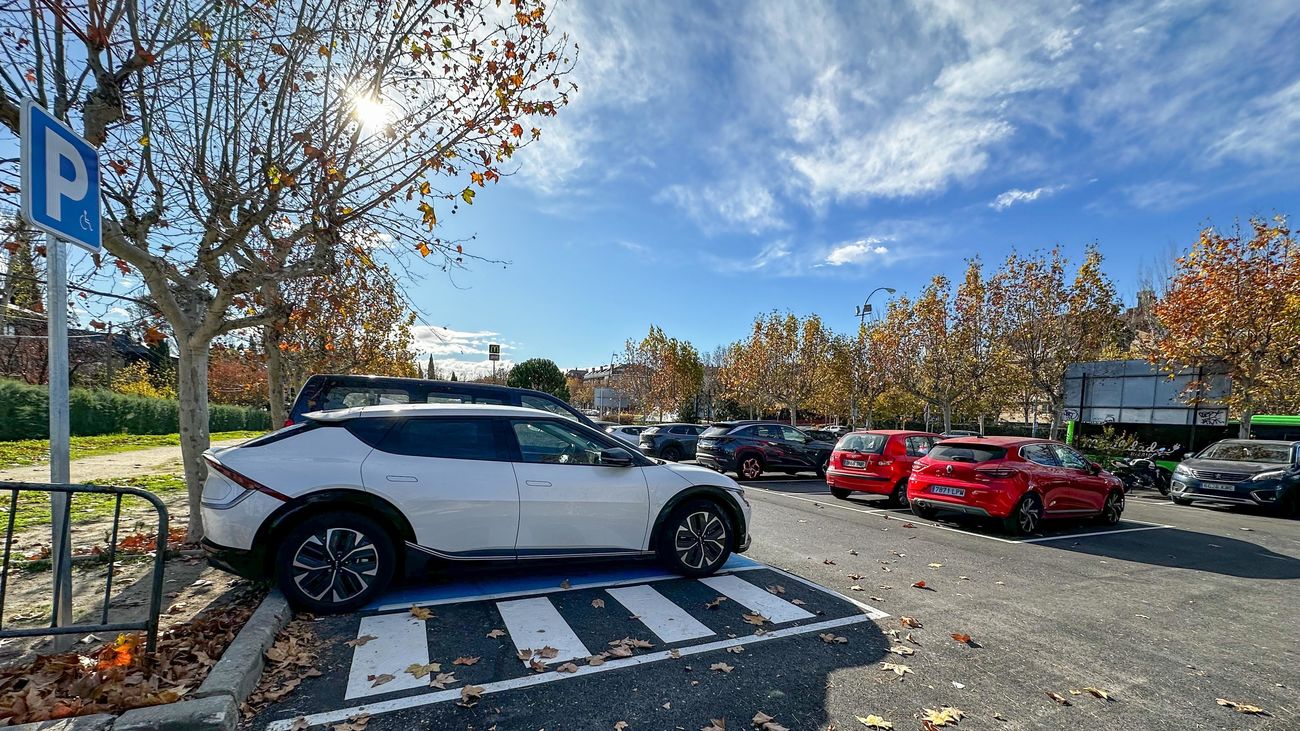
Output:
(245, 481)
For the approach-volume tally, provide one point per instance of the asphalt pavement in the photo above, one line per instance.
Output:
(1171, 610)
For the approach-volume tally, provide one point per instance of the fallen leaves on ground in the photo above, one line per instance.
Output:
(567, 667)
(945, 716)
(767, 723)
(936, 565)
(598, 603)
(1097, 693)
(442, 680)
(722, 667)
(828, 562)
(963, 638)
(776, 589)
(757, 620)
(716, 724)
(496, 633)
(798, 602)
(856, 587)
(874, 721)
(421, 612)
(921, 585)
(419, 671)
(1241, 707)
(378, 680)
(469, 660)
(623, 648)
(470, 695)
(358, 642)
(564, 584)
(1058, 698)
(715, 603)
(354, 723)
(736, 650)
(910, 622)
(856, 577)
(547, 652)
(290, 659)
(900, 650)
(896, 668)
(620, 726)
(832, 639)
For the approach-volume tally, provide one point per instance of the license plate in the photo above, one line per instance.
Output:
(1218, 486)
(855, 463)
(943, 490)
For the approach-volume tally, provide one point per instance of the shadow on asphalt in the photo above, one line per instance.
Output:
(1185, 549)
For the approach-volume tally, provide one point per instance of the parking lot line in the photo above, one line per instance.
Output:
(397, 640)
(427, 699)
(756, 599)
(536, 623)
(669, 622)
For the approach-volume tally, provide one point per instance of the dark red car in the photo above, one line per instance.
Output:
(1019, 480)
(877, 461)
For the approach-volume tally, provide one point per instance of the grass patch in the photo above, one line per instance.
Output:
(26, 452)
(34, 507)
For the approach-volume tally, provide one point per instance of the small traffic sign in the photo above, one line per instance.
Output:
(494, 352)
(60, 179)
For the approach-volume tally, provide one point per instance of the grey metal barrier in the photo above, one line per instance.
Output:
(148, 625)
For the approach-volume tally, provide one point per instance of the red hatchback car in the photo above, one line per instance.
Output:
(878, 461)
(1020, 480)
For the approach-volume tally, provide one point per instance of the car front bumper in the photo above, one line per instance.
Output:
(1263, 493)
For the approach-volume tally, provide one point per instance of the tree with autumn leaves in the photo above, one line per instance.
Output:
(249, 145)
(1234, 299)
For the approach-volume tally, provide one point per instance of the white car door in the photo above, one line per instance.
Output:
(569, 502)
(452, 478)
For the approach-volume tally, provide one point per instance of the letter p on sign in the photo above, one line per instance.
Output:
(60, 179)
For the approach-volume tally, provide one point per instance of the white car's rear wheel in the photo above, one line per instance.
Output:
(334, 562)
(696, 539)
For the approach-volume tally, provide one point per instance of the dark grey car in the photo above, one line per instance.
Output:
(1241, 472)
(673, 442)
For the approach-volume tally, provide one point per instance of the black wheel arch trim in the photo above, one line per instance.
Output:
(321, 501)
(709, 492)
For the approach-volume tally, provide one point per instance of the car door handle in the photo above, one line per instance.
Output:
(402, 478)
(537, 483)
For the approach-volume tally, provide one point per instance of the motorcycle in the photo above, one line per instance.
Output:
(1143, 472)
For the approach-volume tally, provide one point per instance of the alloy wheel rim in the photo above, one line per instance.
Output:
(751, 468)
(1028, 516)
(338, 563)
(700, 540)
(1115, 507)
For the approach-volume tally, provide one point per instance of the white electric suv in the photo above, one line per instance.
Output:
(335, 507)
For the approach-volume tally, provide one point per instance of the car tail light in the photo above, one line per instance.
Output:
(245, 481)
(995, 473)
(918, 465)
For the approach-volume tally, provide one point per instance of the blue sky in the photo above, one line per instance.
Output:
(726, 158)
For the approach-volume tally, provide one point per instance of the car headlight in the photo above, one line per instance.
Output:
(1269, 475)
(1182, 470)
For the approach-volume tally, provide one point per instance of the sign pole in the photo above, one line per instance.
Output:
(60, 548)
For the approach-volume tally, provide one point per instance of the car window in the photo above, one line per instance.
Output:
(1040, 454)
(866, 443)
(449, 398)
(680, 430)
(1070, 458)
(791, 434)
(550, 442)
(963, 452)
(717, 431)
(537, 402)
(346, 397)
(444, 438)
(917, 446)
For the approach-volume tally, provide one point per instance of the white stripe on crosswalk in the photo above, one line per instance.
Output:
(668, 621)
(756, 599)
(400, 641)
(535, 623)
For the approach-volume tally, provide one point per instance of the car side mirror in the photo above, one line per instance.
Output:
(1094, 468)
(615, 457)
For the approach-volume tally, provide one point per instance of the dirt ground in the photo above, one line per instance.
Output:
(109, 466)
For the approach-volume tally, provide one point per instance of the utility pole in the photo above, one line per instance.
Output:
(861, 313)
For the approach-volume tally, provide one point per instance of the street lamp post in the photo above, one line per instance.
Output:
(861, 313)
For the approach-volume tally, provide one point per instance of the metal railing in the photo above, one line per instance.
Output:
(148, 625)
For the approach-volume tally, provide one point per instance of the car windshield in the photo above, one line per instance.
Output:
(867, 443)
(963, 452)
(716, 431)
(1247, 452)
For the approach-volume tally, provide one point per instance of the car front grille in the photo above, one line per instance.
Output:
(1214, 476)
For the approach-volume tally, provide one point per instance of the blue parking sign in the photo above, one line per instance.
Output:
(60, 179)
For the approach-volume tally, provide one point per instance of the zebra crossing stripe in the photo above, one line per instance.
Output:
(400, 641)
(535, 623)
(756, 599)
(667, 620)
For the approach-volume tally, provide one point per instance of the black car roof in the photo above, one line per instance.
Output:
(463, 386)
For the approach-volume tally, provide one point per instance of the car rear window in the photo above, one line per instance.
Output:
(963, 452)
(866, 443)
(716, 431)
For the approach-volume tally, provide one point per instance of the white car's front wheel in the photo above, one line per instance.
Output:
(696, 538)
(334, 562)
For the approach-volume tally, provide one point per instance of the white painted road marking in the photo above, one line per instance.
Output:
(400, 641)
(535, 623)
(669, 622)
(758, 600)
(428, 699)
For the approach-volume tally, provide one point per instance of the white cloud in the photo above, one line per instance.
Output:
(743, 204)
(1016, 195)
(464, 369)
(1162, 195)
(856, 252)
(443, 341)
(1267, 129)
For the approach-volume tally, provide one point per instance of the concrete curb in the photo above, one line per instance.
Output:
(215, 705)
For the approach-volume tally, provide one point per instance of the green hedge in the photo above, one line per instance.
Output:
(24, 414)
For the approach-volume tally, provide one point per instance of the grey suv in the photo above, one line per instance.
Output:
(1241, 472)
(673, 442)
